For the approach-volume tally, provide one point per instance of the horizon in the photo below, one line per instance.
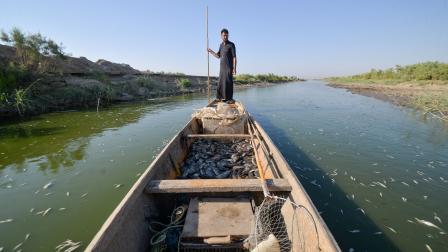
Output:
(307, 39)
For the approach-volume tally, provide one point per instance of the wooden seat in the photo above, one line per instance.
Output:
(215, 185)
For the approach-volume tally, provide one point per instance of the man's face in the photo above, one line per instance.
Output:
(224, 36)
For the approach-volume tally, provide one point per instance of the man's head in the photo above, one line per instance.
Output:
(224, 35)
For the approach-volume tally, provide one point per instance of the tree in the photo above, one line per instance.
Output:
(30, 48)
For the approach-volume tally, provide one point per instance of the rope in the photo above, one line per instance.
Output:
(177, 217)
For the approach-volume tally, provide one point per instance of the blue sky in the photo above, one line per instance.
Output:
(305, 38)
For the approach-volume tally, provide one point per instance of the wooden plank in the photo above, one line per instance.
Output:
(215, 185)
(218, 136)
(218, 217)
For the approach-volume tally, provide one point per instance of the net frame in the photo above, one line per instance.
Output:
(269, 219)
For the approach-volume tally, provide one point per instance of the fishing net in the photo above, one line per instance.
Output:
(282, 225)
(227, 114)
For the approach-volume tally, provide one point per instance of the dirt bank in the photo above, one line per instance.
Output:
(429, 97)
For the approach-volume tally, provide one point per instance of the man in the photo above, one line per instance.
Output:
(227, 54)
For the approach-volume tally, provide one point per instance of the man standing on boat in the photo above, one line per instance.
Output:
(227, 55)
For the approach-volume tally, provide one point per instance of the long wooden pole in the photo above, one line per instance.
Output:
(208, 58)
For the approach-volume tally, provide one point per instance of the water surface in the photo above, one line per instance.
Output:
(370, 167)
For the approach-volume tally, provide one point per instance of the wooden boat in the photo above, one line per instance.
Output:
(153, 197)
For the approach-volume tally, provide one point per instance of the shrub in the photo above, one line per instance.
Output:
(31, 47)
(184, 82)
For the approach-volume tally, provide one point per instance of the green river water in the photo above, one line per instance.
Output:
(370, 167)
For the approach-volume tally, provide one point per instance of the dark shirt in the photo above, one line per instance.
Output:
(226, 53)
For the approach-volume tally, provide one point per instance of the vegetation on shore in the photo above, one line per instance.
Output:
(38, 76)
(259, 78)
(427, 71)
(31, 61)
(423, 86)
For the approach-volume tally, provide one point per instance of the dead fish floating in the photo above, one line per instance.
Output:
(437, 218)
(6, 221)
(315, 183)
(68, 246)
(362, 210)
(379, 183)
(44, 212)
(48, 185)
(428, 224)
(391, 229)
(17, 246)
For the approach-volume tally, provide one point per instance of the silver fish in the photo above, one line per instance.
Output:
(18, 246)
(428, 223)
(428, 247)
(316, 184)
(47, 185)
(6, 221)
(360, 209)
(437, 218)
(404, 183)
(391, 229)
(354, 231)
(46, 211)
(380, 184)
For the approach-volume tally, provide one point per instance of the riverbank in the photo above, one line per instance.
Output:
(429, 96)
(69, 92)
(59, 83)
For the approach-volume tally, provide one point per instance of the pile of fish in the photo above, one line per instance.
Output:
(210, 159)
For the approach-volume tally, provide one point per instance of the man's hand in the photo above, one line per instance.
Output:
(212, 52)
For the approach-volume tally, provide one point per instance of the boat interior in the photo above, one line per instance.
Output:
(165, 211)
